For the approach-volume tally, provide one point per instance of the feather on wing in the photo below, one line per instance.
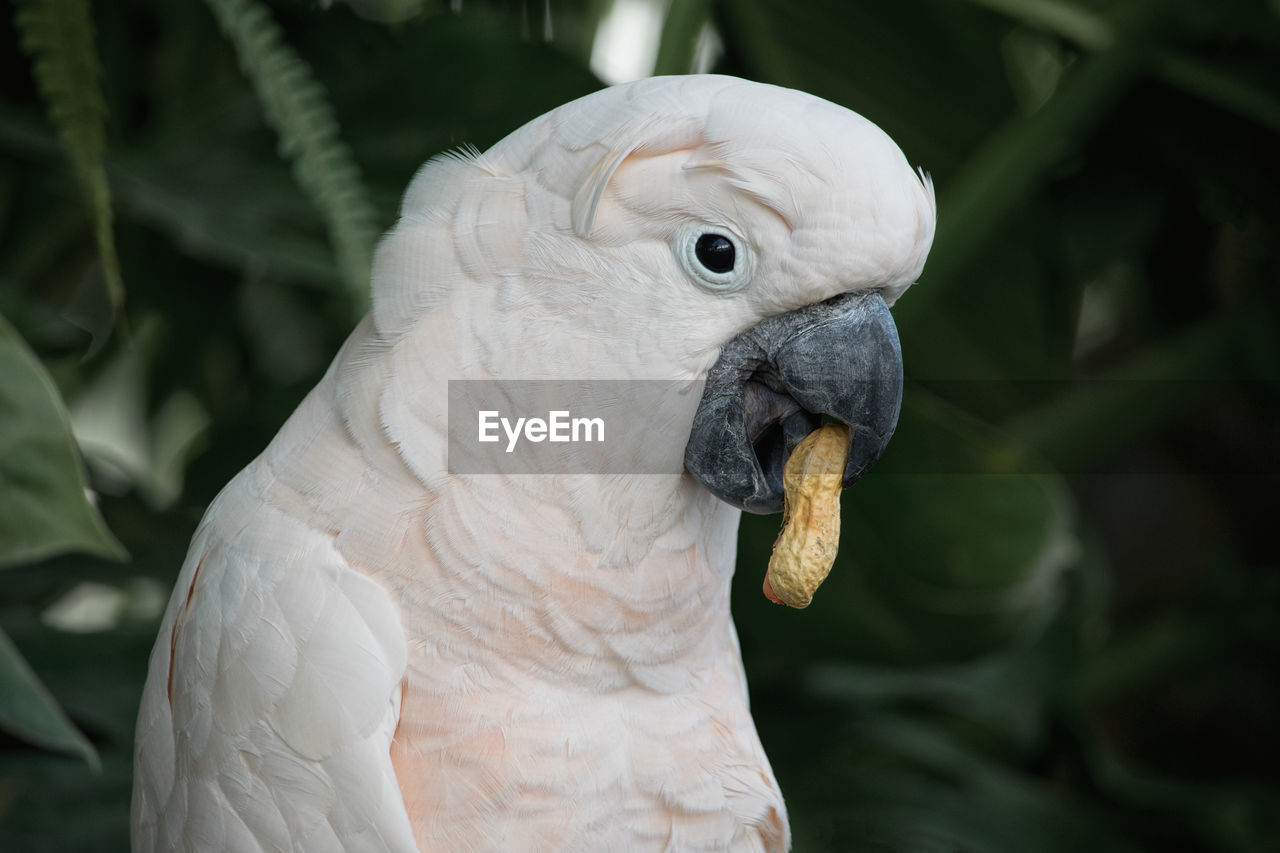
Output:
(267, 719)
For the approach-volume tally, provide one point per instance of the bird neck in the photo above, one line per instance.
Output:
(585, 580)
(590, 582)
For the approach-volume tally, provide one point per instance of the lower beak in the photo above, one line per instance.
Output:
(774, 383)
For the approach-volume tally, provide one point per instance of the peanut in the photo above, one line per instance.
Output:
(806, 547)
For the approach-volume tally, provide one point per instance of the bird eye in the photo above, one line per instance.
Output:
(716, 257)
(715, 252)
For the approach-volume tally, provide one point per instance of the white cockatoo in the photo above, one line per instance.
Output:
(369, 649)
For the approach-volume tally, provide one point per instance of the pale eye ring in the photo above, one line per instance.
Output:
(716, 257)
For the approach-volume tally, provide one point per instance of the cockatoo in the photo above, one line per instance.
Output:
(368, 650)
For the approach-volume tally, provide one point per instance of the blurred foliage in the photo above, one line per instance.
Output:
(1056, 621)
(58, 34)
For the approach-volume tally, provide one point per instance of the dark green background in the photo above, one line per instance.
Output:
(1054, 625)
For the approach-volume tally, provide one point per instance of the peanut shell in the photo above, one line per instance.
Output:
(806, 547)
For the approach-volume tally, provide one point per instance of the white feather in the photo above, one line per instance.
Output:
(365, 652)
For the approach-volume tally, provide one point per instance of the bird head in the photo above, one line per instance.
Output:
(698, 227)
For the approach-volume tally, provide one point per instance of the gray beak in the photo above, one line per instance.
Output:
(772, 385)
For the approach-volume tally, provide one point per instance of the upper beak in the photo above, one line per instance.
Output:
(773, 384)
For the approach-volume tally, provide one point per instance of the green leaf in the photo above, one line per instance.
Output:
(29, 711)
(44, 508)
(296, 106)
(97, 678)
(962, 536)
(386, 11)
(190, 192)
(1079, 23)
(680, 32)
(996, 182)
(1229, 89)
(1076, 430)
(1089, 28)
(853, 54)
(58, 35)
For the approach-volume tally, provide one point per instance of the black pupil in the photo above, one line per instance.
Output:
(715, 252)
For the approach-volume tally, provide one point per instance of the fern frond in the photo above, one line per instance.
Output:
(58, 36)
(296, 106)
